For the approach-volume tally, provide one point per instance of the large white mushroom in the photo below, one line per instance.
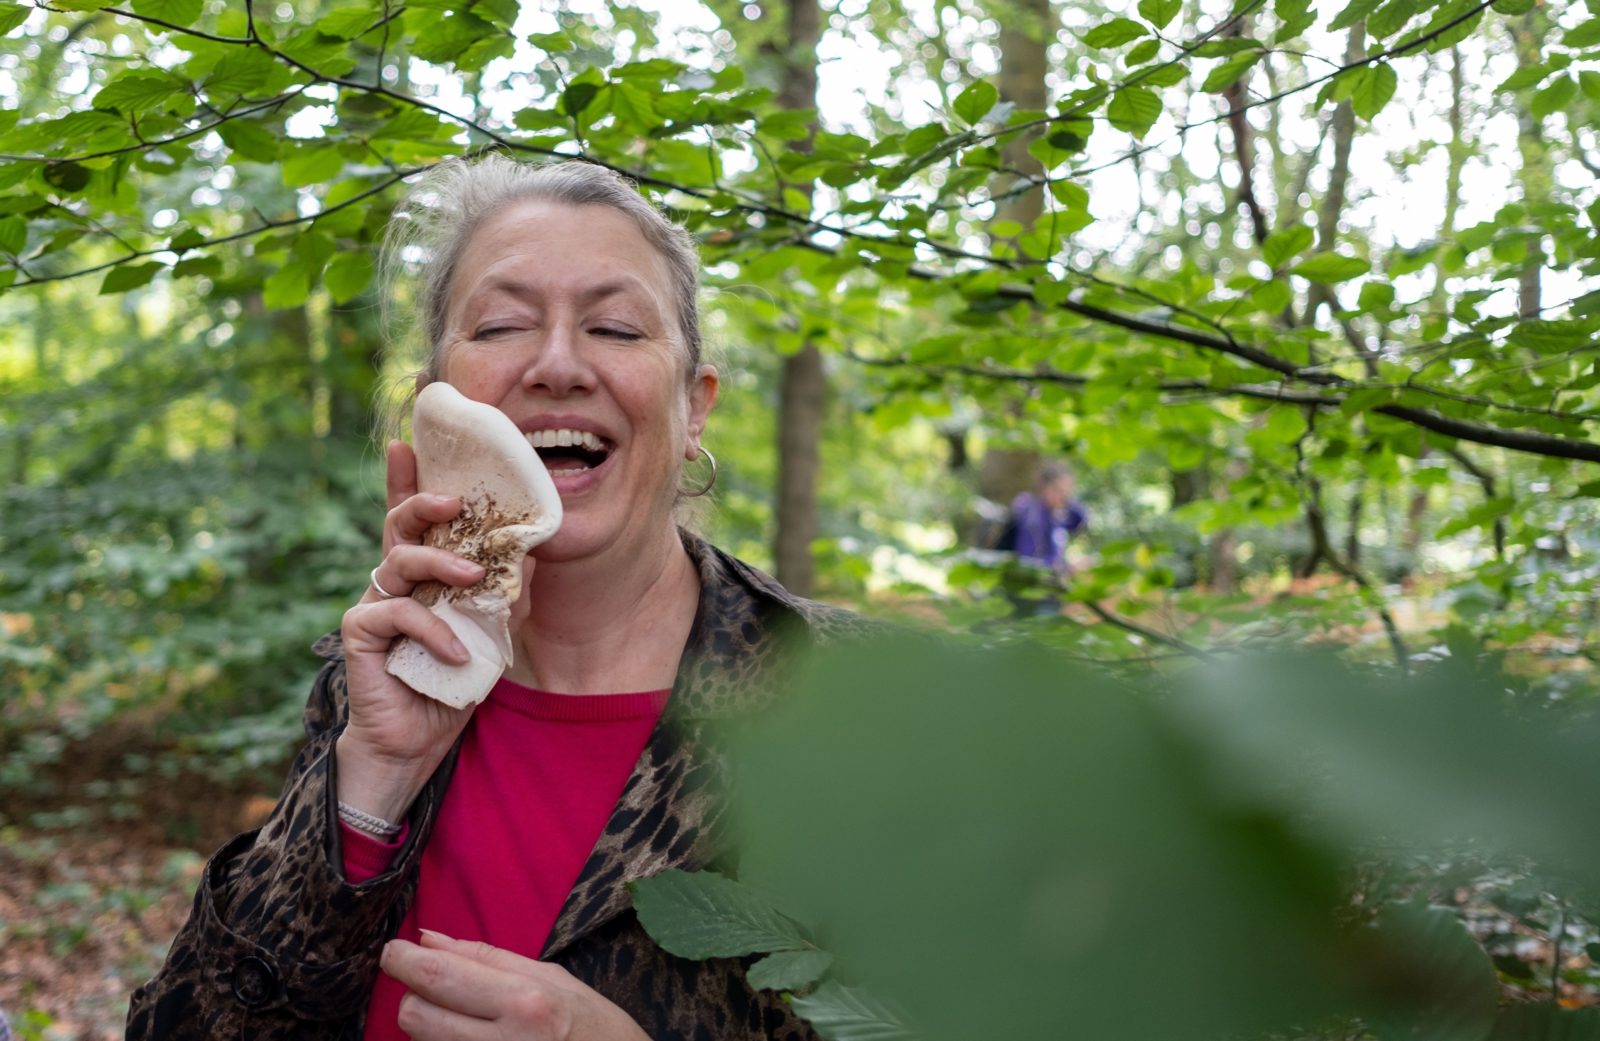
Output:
(508, 506)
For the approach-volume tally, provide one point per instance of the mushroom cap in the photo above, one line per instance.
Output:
(509, 505)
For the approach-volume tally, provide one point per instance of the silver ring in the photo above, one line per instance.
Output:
(382, 592)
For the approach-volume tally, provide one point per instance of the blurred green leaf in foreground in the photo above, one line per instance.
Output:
(1003, 845)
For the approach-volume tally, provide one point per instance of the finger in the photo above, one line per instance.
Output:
(422, 1020)
(410, 519)
(484, 953)
(401, 476)
(409, 565)
(371, 627)
(450, 981)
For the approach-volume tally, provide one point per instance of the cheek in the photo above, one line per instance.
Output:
(477, 374)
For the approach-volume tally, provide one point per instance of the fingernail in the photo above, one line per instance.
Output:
(438, 935)
(468, 569)
(460, 651)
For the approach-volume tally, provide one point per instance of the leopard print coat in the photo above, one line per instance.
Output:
(280, 946)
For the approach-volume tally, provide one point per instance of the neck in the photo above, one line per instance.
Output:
(604, 626)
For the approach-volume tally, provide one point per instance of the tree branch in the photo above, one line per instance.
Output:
(265, 226)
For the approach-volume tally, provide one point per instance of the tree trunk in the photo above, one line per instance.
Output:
(1535, 174)
(1005, 472)
(803, 389)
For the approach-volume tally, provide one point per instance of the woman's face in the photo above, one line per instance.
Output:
(563, 318)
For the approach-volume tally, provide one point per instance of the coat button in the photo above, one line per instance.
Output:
(254, 982)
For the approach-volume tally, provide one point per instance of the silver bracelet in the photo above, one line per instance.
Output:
(367, 823)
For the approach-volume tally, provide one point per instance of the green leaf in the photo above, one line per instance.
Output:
(347, 23)
(175, 12)
(136, 91)
(1554, 96)
(1114, 33)
(1159, 12)
(1375, 296)
(656, 70)
(1165, 75)
(1142, 52)
(13, 235)
(69, 178)
(973, 103)
(1552, 335)
(1583, 35)
(1272, 296)
(124, 277)
(1225, 46)
(1331, 267)
(1353, 13)
(578, 96)
(841, 1013)
(1525, 77)
(1589, 83)
(1228, 73)
(1390, 18)
(188, 267)
(311, 164)
(1377, 86)
(789, 970)
(705, 915)
(347, 274)
(250, 140)
(1134, 109)
(287, 287)
(1451, 983)
(13, 15)
(633, 106)
(186, 239)
(241, 71)
(1285, 243)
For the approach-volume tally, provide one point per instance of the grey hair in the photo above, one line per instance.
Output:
(438, 216)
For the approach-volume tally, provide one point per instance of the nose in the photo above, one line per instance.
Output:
(558, 366)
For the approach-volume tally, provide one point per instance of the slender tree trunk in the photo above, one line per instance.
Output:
(1535, 174)
(1023, 41)
(802, 393)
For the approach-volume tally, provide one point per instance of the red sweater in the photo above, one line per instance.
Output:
(501, 861)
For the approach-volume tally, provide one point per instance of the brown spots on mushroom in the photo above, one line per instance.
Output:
(477, 533)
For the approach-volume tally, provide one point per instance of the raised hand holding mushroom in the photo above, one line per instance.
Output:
(474, 452)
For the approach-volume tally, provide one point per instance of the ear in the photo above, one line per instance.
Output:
(702, 398)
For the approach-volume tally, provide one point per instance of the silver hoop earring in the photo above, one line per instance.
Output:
(710, 481)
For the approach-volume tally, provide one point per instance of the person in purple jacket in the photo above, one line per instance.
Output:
(1045, 518)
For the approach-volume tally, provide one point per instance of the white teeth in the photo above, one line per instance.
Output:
(564, 438)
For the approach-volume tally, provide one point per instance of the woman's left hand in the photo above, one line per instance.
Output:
(463, 990)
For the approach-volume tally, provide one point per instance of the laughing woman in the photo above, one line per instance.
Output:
(439, 873)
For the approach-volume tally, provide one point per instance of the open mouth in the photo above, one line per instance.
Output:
(567, 452)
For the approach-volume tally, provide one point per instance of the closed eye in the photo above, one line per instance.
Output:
(614, 333)
(492, 331)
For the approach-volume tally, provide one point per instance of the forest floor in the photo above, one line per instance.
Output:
(95, 880)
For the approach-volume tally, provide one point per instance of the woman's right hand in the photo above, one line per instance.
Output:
(396, 737)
